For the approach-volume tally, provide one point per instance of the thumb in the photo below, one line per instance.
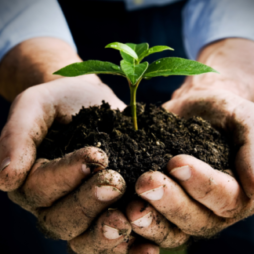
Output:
(28, 122)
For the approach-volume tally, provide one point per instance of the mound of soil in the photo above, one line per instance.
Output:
(161, 136)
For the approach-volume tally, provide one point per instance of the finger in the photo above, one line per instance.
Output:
(150, 224)
(50, 180)
(111, 230)
(231, 113)
(169, 199)
(145, 248)
(218, 191)
(20, 136)
(242, 124)
(72, 215)
(33, 112)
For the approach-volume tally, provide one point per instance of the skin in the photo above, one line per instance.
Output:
(198, 200)
(32, 62)
(49, 188)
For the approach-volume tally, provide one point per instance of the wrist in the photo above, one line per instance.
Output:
(234, 60)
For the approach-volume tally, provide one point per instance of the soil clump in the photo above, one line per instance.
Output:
(161, 136)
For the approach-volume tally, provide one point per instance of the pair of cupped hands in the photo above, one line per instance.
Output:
(192, 199)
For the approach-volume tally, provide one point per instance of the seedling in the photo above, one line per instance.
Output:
(134, 71)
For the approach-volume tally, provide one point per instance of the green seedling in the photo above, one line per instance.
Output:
(134, 70)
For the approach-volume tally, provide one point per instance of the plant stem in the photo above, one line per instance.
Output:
(134, 106)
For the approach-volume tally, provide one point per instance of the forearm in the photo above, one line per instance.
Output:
(33, 62)
(234, 59)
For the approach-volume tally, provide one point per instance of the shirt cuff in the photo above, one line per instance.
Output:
(206, 21)
(26, 19)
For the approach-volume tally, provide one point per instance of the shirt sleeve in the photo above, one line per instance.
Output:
(206, 21)
(21, 20)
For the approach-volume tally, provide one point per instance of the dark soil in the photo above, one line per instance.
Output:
(161, 136)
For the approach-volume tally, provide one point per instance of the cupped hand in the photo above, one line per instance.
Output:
(33, 112)
(227, 111)
(58, 192)
(69, 203)
(193, 199)
(66, 203)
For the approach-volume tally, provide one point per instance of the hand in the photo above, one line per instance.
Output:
(44, 187)
(34, 111)
(197, 199)
(55, 191)
(66, 205)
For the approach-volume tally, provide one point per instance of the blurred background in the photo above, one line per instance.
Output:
(111, 22)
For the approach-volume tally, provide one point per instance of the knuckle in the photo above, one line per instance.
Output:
(87, 212)
(36, 196)
(228, 209)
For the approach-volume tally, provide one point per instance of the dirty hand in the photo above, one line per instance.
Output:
(197, 199)
(33, 112)
(55, 191)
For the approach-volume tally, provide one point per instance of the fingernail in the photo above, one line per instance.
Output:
(110, 233)
(181, 173)
(144, 221)
(86, 170)
(107, 193)
(154, 194)
(6, 162)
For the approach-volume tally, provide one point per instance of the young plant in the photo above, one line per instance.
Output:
(133, 70)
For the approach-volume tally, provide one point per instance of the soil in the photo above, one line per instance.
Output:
(161, 136)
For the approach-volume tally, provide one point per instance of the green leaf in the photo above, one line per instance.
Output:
(140, 49)
(90, 67)
(176, 66)
(134, 72)
(157, 49)
(124, 48)
(127, 57)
